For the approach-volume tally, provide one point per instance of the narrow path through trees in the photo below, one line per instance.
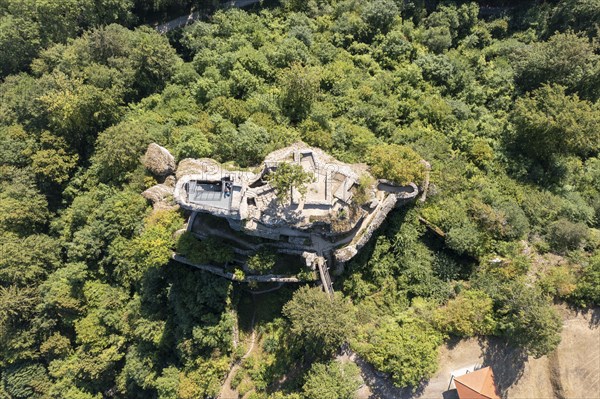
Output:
(226, 391)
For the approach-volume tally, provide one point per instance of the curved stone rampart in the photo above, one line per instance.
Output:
(399, 195)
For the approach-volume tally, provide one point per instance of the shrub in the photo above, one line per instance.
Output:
(564, 235)
(286, 177)
(322, 324)
(210, 249)
(407, 350)
(397, 163)
(335, 380)
(263, 261)
(587, 290)
(470, 313)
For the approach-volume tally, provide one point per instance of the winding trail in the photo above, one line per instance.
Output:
(279, 285)
(226, 391)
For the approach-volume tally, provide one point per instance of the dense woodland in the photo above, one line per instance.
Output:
(506, 109)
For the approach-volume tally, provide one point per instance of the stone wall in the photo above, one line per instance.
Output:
(265, 278)
(390, 202)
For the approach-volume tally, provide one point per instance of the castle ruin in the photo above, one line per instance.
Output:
(326, 222)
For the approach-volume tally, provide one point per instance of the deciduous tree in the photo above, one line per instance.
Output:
(321, 322)
(334, 380)
(408, 350)
(286, 177)
(397, 163)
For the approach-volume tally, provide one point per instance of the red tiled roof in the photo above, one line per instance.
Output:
(477, 385)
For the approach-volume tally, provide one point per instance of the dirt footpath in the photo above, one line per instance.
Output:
(571, 372)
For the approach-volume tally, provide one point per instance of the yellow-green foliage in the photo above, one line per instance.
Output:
(203, 251)
(559, 281)
(286, 177)
(335, 380)
(408, 350)
(470, 313)
(400, 164)
(505, 110)
(262, 262)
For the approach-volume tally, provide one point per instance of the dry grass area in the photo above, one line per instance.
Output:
(571, 372)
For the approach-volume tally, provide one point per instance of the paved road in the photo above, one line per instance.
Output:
(186, 20)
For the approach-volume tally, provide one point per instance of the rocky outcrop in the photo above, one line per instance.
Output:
(190, 166)
(161, 195)
(158, 193)
(159, 161)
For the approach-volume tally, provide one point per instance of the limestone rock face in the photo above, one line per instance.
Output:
(189, 166)
(158, 193)
(158, 160)
(170, 181)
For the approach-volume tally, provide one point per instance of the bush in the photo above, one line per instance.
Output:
(263, 261)
(361, 192)
(587, 290)
(321, 323)
(408, 350)
(208, 250)
(445, 267)
(286, 177)
(466, 240)
(335, 380)
(564, 235)
(470, 313)
(397, 163)
(528, 319)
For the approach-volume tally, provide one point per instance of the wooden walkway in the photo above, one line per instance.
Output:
(325, 277)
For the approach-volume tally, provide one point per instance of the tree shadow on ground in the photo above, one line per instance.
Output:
(451, 394)
(594, 317)
(592, 313)
(381, 385)
(452, 342)
(507, 362)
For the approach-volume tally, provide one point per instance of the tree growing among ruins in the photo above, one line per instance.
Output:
(286, 177)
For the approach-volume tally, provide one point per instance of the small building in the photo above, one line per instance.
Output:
(478, 384)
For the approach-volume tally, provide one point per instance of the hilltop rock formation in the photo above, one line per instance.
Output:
(159, 161)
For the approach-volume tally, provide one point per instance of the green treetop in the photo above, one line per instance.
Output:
(335, 380)
(286, 177)
(397, 163)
